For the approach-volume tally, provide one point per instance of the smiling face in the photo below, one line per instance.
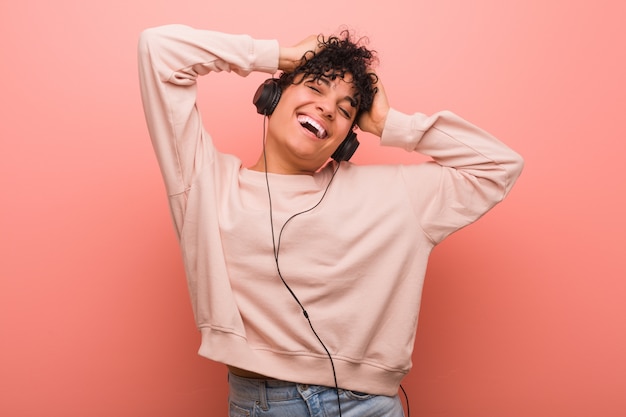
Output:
(310, 121)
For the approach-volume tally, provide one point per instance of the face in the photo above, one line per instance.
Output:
(310, 121)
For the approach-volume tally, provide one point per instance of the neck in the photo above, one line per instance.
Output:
(262, 165)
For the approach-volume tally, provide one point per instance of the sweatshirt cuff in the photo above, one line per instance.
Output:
(265, 55)
(402, 130)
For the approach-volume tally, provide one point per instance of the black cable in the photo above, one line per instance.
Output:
(406, 398)
(276, 248)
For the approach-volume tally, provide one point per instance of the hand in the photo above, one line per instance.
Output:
(374, 120)
(291, 57)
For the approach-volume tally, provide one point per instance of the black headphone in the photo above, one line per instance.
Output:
(266, 99)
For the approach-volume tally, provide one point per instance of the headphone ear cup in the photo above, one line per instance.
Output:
(346, 148)
(267, 96)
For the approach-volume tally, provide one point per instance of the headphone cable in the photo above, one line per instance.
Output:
(276, 249)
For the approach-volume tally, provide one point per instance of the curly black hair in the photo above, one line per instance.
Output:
(339, 55)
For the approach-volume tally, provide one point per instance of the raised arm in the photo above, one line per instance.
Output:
(170, 60)
(471, 170)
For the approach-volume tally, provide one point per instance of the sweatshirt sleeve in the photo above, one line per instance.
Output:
(471, 171)
(170, 60)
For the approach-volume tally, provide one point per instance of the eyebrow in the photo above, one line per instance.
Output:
(353, 101)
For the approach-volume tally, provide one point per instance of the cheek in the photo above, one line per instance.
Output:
(286, 105)
(280, 114)
(345, 128)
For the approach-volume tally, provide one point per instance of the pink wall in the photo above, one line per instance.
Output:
(523, 312)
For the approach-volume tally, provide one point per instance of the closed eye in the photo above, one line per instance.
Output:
(315, 85)
(319, 85)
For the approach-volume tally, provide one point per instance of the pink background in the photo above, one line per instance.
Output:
(524, 313)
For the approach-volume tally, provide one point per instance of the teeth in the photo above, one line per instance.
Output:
(320, 132)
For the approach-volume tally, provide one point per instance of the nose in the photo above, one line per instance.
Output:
(327, 108)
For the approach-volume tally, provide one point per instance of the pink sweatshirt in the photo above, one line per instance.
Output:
(356, 262)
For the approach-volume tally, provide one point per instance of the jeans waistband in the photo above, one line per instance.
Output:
(269, 389)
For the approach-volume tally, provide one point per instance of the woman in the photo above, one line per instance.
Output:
(306, 271)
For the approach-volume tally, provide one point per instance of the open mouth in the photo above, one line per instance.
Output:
(311, 125)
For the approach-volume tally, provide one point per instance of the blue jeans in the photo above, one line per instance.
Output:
(271, 398)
